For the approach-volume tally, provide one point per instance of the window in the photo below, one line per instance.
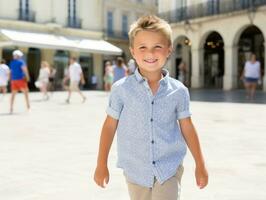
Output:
(72, 9)
(180, 3)
(24, 12)
(110, 23)
(73, 21)
(181, 11)
(24, 5)
(213, 6)
(124, 25)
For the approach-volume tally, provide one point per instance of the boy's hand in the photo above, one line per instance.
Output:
(201, 176)
(101, 176)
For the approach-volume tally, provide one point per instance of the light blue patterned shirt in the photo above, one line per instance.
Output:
(149, 141)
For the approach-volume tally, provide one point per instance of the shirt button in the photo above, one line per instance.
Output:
(153, 162)
(152, 102)
(152, 141)
(151, 120)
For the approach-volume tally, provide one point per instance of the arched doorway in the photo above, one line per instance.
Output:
(213, 61)
(251, 41)
(183, 60)
(86, 62)
(33, 63)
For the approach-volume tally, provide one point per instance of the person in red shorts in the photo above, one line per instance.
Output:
(19, 78)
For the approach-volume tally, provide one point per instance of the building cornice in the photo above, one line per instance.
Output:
(49, 28)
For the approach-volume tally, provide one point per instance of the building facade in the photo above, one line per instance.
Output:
(119, 15)
(54, 30)
(215, 38)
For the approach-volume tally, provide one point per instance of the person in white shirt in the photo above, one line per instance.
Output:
(4, 76)
(76, 77)
(251, 75)
(43, 79)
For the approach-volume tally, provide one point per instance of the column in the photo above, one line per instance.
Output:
(1, 54)
(98, 69)
(25, 51)
(230, 68)
(48, 55)
(75, 54)
(197, 68)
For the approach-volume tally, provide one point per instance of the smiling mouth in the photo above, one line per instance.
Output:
(150, 61)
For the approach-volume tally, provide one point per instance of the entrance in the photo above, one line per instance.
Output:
(33, 63)
(183, 60)
(250, 41)
(86, 63)
(213, 61)
(60, 64)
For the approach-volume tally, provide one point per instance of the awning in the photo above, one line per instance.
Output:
(50, 41)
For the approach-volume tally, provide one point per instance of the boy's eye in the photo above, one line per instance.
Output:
(158, 47)
(142, 47)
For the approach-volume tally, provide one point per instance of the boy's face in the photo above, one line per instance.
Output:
(150, 50)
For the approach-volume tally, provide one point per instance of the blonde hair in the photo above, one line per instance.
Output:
(150, 23)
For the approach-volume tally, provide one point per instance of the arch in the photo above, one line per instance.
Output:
(206, 35)
(213, 58)
(241, 30)
(182, 59)
(249, 39)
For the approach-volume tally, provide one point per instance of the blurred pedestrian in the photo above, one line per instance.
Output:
(94, 81)
(120, 69)
(66, 79)
(76, 77)
(51, 85)
(131, 66)
(4, 76)
(108, 76)
(182, 67)
(251, 75)
(43, 79)
(19, 78)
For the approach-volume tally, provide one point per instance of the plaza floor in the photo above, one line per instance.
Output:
(49, 152)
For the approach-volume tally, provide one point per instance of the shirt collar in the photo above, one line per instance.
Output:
(163, 81)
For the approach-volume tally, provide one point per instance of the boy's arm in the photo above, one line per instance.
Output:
(190, 135)
(101, 174)
(8, 74)
(26, 72)
(82, 78)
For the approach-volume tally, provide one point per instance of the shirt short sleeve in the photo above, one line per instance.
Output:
(183, 110)
(115, 104)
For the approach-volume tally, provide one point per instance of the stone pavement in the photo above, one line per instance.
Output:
(49, 153)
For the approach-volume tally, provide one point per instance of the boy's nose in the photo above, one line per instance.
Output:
(150, 52)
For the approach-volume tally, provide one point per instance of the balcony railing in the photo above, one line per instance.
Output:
(26, 15)
(74, 22)
(211, 8)
(116, 34)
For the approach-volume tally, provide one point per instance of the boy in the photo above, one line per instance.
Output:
(144, 109)
(75, 76)
(4, 76)
(19, 78)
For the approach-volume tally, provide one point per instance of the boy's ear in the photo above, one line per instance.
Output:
(131, 51)
(170, 51)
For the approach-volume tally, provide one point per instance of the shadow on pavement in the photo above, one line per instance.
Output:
(234, 96)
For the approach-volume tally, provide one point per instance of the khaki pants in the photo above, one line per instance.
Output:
(169, 190)
(74, 86)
